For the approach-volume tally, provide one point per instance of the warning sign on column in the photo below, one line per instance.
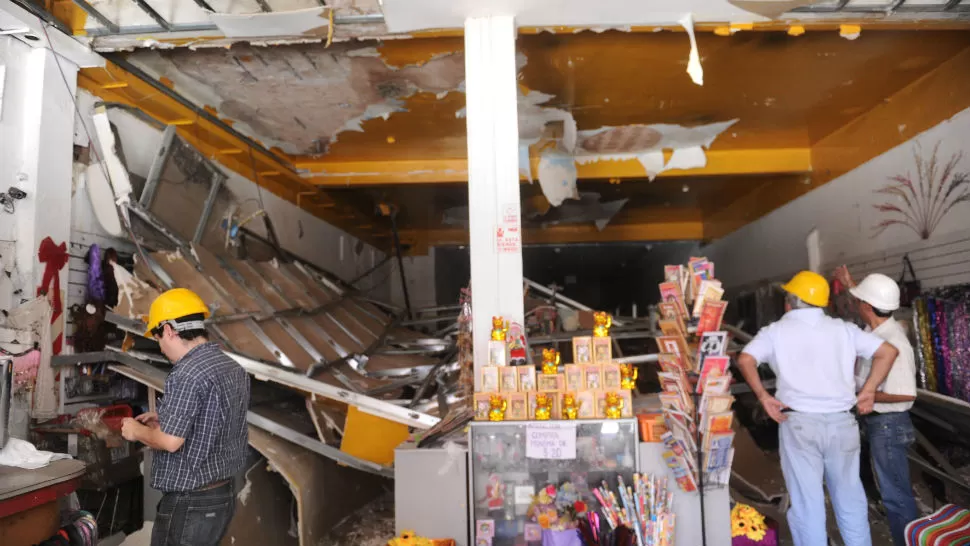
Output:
(508, 239)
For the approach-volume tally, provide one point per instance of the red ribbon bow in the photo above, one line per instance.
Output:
(56, 257)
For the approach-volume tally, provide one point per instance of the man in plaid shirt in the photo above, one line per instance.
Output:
(199, 434)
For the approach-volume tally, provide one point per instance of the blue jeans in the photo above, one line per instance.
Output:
(195, 518)
(890, 435)
(817, 447)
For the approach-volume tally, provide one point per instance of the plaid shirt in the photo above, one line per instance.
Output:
(206, 400)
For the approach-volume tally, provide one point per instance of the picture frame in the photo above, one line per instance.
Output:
(497, 353)
(481, 401)
(490, 379)
(593, 376)
(583, 350)
(586, 402)
(518, 409)
(508, 379)
(611, 377)
(550, 382)
(527, 378)
(599, 398)
(575, 381)
(556, 405)
(485, 528)
(602, 350)
(627, 397)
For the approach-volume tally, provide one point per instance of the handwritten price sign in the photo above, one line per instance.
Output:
(551, 441)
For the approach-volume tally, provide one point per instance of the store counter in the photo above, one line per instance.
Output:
(29, 511)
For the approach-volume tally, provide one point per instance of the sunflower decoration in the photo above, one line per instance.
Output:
(747, 522)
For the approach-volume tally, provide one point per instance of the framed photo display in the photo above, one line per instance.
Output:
(583, 350)
(602, 350)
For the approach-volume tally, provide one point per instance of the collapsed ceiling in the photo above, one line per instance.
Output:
(359, 118)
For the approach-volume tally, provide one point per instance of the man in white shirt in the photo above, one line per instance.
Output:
(889, 427)
(813, 357)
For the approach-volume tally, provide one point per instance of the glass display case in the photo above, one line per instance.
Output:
(506, 469)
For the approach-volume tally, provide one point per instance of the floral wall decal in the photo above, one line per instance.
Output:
(921, 204)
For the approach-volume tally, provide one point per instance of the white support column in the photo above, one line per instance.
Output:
(495, 231)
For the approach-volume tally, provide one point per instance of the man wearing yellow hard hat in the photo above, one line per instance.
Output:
(813, 357)
(199, 434)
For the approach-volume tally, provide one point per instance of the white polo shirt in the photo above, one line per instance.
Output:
(902, 376)
(813, 357)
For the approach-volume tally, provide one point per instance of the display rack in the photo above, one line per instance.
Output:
(503, 478)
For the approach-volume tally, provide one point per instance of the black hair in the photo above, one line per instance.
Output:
(882, 314)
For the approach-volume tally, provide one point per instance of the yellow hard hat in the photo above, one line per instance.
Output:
(172, 305)
(810, 287)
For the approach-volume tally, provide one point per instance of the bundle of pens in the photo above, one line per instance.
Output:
(592, 535)
(646, 509)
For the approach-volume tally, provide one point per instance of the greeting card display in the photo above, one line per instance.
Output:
(696, 407)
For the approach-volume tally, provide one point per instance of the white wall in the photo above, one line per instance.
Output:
(844, 213)
(298, 231)
(35, 156)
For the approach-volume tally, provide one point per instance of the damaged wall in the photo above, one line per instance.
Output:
(869, 217)
(35, 158)
(298, 231)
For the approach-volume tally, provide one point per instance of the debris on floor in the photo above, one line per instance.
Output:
(372, 525)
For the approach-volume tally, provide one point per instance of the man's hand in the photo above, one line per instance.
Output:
(774, 408)
(865, 401)
(130, 428)
(149, 419)
(843, 276)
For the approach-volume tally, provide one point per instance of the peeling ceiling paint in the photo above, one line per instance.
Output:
(300, 97)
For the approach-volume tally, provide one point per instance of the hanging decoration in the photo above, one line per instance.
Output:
(943, 341)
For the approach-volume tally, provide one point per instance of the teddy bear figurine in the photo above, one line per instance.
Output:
(614, 405)
(496, 408)
(569, 408)
(550, 361)
(543, 407)
(601, 324)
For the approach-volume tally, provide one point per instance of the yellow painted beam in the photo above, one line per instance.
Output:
(935, 97)
(274, 173)
(662, 224)
(330, 173)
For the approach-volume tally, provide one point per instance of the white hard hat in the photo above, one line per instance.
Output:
(878, 291)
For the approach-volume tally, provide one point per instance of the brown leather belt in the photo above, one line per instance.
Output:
(213, 485)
